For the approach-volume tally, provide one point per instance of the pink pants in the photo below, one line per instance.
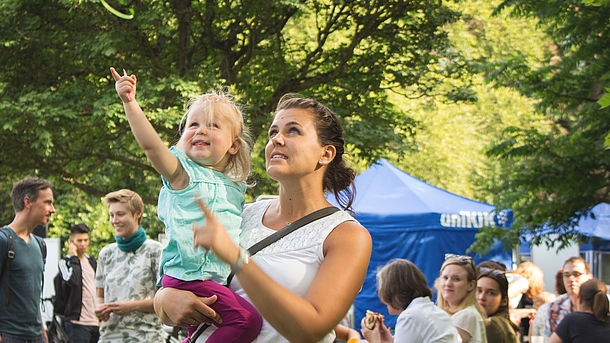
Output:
(241, 322)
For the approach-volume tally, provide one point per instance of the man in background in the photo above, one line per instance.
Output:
(576, 271)
(75, 287)
(22, 262)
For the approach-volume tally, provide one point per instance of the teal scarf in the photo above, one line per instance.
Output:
(131, 244)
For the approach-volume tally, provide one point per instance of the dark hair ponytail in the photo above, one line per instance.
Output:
(339, 177)
(593, 295)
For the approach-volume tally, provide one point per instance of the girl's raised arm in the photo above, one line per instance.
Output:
(155, 149)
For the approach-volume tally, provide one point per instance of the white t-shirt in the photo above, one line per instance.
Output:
(293, 261)
(470, 320)
(424, 322)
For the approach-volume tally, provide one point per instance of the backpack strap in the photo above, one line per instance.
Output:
(11, 255)
(7, 264)
(43, 250)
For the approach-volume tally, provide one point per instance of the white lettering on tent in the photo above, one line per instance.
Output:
(468, 219)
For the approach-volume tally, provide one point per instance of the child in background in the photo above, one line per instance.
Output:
(211, 162)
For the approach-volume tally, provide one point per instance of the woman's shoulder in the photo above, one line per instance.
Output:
(470, 311)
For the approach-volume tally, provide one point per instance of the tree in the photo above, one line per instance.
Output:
(62, 120)
(448, 149)
(555, 177)
(66, 123)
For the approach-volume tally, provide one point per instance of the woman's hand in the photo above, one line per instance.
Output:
(125, 85)
(182, 308)
(379, 334)
(213, 236)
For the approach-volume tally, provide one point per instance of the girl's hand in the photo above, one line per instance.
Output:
(213, 236)
(125, 85)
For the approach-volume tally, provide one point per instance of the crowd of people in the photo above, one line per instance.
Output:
(279, 270)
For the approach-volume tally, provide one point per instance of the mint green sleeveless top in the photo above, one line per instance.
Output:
(178, 211)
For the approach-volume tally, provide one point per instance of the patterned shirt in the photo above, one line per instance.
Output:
(129, 276)
(558, 309)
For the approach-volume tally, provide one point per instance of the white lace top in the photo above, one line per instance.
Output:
(293, 261)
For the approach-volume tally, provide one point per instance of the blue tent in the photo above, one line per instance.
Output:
(595, 225)
(410, 219)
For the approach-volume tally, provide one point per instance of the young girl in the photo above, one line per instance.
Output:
(456, 289)
(492, 296)
(210, 162)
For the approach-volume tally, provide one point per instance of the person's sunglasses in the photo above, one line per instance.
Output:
(489, 271)
(461, 258)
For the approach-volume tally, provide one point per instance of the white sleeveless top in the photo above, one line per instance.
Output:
(293, 261)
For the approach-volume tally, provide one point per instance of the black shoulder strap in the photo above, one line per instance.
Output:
(43, 249)
(7, 265)
(313, 216)
(265, 242)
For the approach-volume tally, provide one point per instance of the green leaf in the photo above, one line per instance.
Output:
(605, 100)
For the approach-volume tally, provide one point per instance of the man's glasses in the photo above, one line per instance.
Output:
(492, 272)
(576, 275)
(461, 258)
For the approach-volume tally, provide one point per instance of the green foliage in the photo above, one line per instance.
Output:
(62, 119)
(553, 177)
(452, 133)
(605, 100)
(61, 113)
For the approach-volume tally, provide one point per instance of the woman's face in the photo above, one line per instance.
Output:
(489, 295)
(455, 285)
(124, 222)
(293, 147)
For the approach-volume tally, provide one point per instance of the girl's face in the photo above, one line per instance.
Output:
(489, 295)
(208, 143)
(124, 222)
(455, 285)
(293, 146)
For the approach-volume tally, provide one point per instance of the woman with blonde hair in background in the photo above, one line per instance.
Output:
(456, 289)
(525, 284)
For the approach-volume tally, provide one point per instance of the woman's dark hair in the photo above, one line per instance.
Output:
(399, 282)
(560, 287)
(500, 277)
(339, 177)
(593, 295)
(492, 265)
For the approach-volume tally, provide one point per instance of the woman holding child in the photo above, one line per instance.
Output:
(303, 284)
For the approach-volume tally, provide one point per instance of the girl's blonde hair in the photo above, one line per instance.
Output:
(471, 298)
(220, 104)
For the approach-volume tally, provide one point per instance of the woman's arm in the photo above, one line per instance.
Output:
(554, 339)
(464, 335)
(164, 162)
(347, 251)
(345, 333)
